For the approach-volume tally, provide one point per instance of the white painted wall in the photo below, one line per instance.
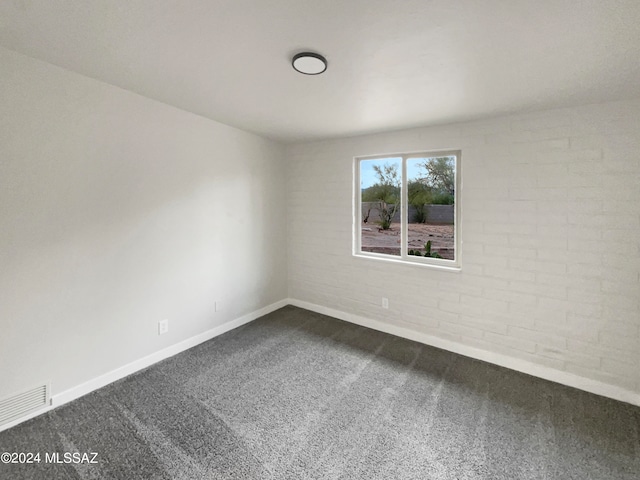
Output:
(117, 211)
(551, 255)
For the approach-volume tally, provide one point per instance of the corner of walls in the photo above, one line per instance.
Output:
(118, 211)
(550, 220)
(167, 352)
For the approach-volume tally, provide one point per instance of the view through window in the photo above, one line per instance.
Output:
(407, 206)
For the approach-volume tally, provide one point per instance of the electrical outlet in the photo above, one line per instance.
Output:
(217, 306)
(385, 302)
(163, 326)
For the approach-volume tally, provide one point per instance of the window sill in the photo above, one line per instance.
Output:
(401, 261)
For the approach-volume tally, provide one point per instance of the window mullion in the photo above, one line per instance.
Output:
(404, 210)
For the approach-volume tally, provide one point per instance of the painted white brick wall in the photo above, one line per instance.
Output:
(550, 229)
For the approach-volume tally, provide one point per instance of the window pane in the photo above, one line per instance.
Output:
(430, 219)
(380, 184)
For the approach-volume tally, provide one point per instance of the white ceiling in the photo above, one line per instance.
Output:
(392, 63)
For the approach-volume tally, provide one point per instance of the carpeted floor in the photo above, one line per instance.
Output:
(297, 395)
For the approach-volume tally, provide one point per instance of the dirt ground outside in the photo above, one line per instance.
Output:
(377, 240)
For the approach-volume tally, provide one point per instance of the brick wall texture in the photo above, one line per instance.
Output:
(550, 225)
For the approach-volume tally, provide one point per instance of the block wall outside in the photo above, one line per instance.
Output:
(436, 214)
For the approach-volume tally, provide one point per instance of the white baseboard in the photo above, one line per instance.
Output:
(121, 372)
(582, 383)
(547, 373)
(156, 357)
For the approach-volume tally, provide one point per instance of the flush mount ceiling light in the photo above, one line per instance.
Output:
(309, 63)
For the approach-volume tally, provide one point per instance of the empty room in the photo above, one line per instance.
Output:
(320, 240)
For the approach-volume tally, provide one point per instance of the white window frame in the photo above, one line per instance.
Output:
(404, 257)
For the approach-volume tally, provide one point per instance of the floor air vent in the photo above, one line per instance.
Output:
(19, 405)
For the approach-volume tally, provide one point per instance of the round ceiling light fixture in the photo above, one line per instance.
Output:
(309, 63)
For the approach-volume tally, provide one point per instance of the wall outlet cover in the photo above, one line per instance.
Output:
(163, 326)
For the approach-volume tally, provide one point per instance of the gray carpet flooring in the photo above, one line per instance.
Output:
(297, 395)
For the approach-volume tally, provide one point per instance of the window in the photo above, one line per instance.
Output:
(407, 207)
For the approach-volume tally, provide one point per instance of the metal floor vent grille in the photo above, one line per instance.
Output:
(16, 406)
